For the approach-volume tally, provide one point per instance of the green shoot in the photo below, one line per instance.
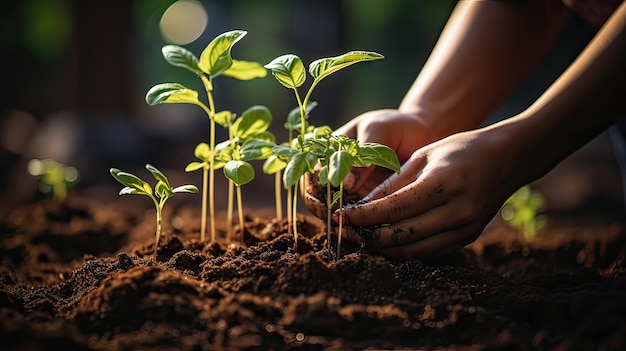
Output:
(54, 177)
(521, 210)
(160, 194)
(337, 155)
(215, 60)
(249, 140)
(290, 72)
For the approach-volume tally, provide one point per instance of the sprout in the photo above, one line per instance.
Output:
(161, 192)
(54, 177)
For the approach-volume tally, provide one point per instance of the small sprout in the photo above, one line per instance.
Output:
(521, 210)
(290, 72)
(215, 60)
(161, 192)
(54, 177)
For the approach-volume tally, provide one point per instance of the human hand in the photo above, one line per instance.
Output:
(445, 195)
(402, 132)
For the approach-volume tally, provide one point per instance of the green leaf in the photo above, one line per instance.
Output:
(323, 175)
(181, 57)
(158, 175)
(194, 166)
(379, 155)
(299, 164)
(322, 68)
(245, 70)
(294, 120)
(216, 57)
(253, 121)
(202, 152)
(131, 191)
(255, 149)
(127, 179)
(162, 190)
(224, 118)
(240, 172)
(288, 70)
(273, 164)
(189, 188)
(266, 136)
(171, 93)
(284, 151)
(339, 165)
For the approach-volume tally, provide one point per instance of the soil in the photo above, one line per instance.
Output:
(82, 276)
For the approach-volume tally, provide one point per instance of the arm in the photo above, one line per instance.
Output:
(485, 51)
(449, 190)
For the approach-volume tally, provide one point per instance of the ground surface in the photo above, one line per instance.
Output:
(82, 277)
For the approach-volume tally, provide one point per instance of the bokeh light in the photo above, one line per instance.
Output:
(183, 22)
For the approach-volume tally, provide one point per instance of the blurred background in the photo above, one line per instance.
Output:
(75, 74)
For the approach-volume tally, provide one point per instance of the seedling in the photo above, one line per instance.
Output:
(54, 177)
(248, 140)
(160, 194)
(521, 210)
(290, 72)
(214, 61)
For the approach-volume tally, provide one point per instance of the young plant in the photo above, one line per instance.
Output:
(521, 210)
(54, 177)
(248, 140)
(276, 164)
(215, 60)
(290, 72)
(161, 192)
(337, 155)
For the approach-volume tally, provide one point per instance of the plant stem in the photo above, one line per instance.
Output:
(294, 217)
(159, 218)
(205, 179)
(242, 224)
(328, 214)
(212, 163)
(278, 194)
(289, 210)
(229, 216)
(340, 220)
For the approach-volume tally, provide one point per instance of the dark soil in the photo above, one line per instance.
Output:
(82, 276)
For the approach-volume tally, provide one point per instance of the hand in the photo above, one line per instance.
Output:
(445, 195)
(402, 132)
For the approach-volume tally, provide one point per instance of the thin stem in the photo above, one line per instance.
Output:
(328, 214)
(212, 163)
(205, 180)
(229, 216)
(289, 210)
(278, 194)
(340, 220)
(294, 217)
(159, 218)
(240, 212)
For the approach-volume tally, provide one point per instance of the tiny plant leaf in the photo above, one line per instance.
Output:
(288, 70)
(171, 93)
(181, 57)
(245, 70)
(322, 68)
(216, 57)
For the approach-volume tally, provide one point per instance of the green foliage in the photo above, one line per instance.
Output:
(162, 191)
(305, 151)
(215, 60)
(54, 177)
(521, 211)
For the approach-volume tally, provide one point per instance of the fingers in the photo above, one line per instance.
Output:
(428, 246)
(414, 229)
(403, 199)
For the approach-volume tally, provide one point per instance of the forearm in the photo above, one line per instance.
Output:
(587, 98)
(486, 49)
